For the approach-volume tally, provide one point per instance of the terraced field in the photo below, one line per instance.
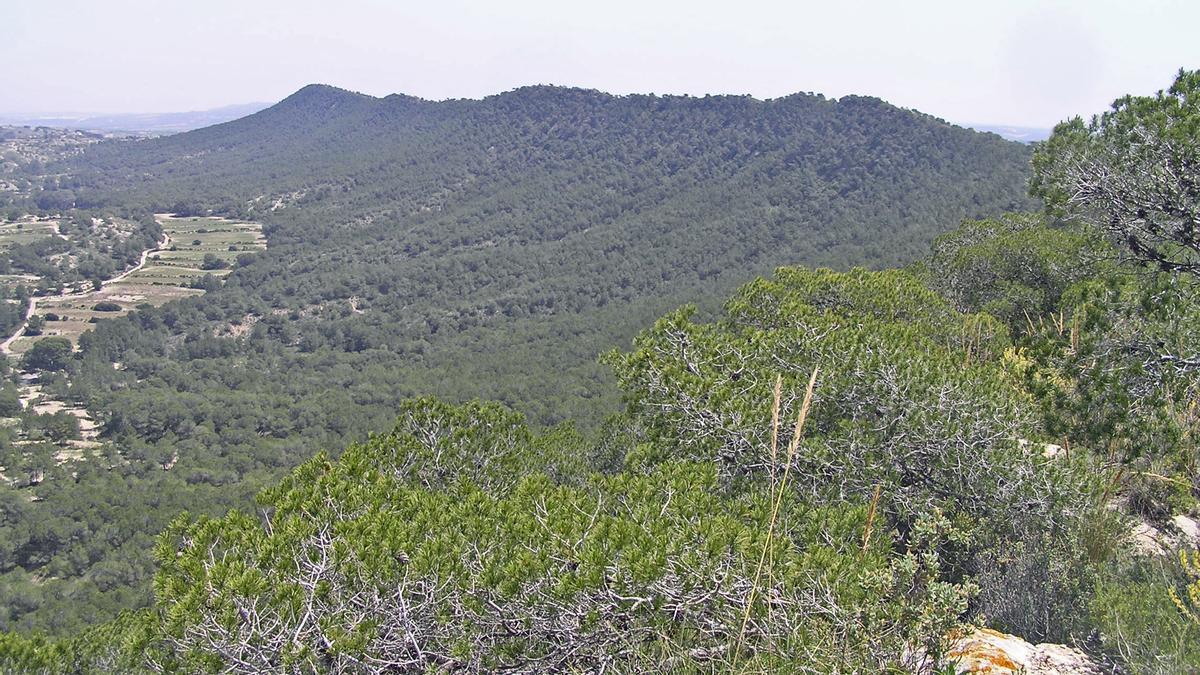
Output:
(26, 231)
(192, 240)
(193, 247)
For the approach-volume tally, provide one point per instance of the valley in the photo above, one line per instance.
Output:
(461, 249)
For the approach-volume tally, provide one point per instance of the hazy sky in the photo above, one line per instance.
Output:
(1021, 62)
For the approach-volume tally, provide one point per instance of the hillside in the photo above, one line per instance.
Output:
(463, 249)
(826, 479)
(501, 224)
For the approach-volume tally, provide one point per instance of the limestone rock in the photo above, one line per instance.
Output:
(991, 652)
(1183, 531)
(1189, 527)
(1147, 539)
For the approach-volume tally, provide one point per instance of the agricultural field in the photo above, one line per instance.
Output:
(26, 231)
(191, 241)
(193, 248)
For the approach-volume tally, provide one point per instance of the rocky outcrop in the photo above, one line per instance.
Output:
(991, 652)
(1182, 532)
(1189, 528)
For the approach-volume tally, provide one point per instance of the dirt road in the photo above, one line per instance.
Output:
(33, 302)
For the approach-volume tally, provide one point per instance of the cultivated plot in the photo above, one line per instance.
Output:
(193, 248)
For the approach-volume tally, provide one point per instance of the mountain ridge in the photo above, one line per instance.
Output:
(316, 109)
(554, 202)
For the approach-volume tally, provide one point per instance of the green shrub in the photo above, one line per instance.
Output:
(1039, 585)
(360, 564)
(35, 325)
(1014, 267)
(1138, 622)
(213, 262)
(49, 354)
(909, 396)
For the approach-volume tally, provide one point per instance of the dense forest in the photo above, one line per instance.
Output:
(833, 470)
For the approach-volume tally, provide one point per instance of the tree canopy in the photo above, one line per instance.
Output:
(1134, 171)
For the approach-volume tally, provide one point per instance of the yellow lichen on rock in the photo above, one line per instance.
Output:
(989, 652)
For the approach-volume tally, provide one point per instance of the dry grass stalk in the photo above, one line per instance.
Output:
(775, 424)
(776, 498)
(871, 518)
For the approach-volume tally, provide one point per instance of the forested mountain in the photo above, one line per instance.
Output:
(463, 249)
(476, 234)
(840, 474)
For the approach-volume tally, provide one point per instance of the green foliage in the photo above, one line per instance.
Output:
(1132, 172)
(35, 325)
(680, 536)
(1013, 267)
(111, 647)
(51, 354)
(1096, 346)
(443, 545)
(463, 539)
(1110, 380)
(435, 444)
(907, 397)
(10, 402)
(1188, 600)
(463, 249)
(85, 252)
(213, 262)
(58, 427)
(913, 399)
(1126, 383)
(361, 567)
(1139, 623)
(1039, 585)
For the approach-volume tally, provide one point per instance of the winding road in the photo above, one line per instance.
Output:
(162, 245)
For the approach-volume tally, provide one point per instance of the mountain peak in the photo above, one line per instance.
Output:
(325, 93)
(319, 102)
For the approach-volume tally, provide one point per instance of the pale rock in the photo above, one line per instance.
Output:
(1190, 527)
(1184, 531)
(991, 652)
(1147, 539)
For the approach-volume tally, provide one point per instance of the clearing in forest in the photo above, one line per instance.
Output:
(26, 231)
(192, 248)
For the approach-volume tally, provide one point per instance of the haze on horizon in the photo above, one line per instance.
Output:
(1024, 63)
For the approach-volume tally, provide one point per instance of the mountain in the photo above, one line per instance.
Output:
(966, 482)
(151, 124)
(464, 249)
(542, 225)
(459, 225)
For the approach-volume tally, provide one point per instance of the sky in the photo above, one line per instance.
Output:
(1014, 62)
